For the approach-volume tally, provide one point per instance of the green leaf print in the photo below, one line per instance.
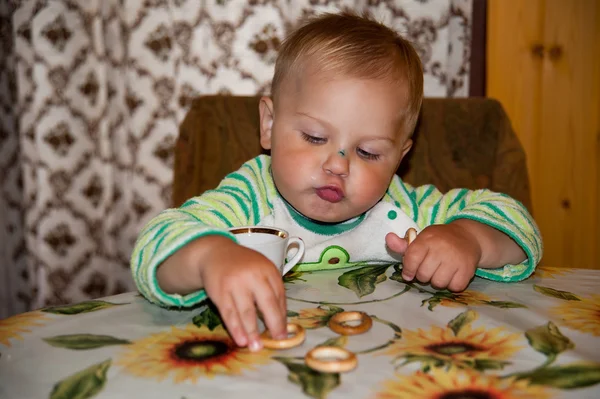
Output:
(437, 297)
(331, 309)
(489, 364)
(83, 384)
(363, 280)
(315, 317)
(565, 295)
(314, 383)
(340, 341)
(82, 307)
(427, 361)
(462, 320)
(397, 275)
(548, 339)
(575, 375)
(505, 304)
(209, 318)
(84, 341)
(291, 277)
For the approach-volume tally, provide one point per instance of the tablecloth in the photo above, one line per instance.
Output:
(539, 338)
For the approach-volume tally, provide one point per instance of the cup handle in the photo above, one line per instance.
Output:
(296, 258)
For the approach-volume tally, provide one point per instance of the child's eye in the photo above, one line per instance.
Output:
(313, 139)
(367, 155)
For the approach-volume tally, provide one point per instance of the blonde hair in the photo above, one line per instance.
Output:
(355, 46)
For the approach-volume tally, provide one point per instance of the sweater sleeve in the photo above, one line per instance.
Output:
(239, 200)
(428, 206)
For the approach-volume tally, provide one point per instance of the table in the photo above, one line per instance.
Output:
(534, 339)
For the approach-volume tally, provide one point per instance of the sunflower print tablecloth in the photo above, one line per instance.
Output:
(535, 339)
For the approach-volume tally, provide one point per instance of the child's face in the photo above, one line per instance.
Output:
(335, 142)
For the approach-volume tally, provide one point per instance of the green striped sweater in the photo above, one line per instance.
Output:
(248, 196)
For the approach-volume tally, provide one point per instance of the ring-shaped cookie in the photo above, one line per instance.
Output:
(336, 323)
(410, 235)
(320, 357)
(286, 343)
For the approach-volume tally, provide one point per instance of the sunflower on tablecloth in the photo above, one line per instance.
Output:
(583, 315)
(21, 323)
(457, 344)
(189, 353)
(456, 383)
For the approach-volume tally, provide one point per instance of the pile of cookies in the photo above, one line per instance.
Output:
(327, 359)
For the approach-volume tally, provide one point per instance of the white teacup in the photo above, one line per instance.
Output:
(272, 242)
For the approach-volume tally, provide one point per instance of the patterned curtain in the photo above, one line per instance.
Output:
(91, 95)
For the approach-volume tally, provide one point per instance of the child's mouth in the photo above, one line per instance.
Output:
(330, 193)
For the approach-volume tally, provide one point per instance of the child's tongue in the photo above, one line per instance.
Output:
(330, 194)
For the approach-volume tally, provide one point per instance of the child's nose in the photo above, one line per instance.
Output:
(337, 164)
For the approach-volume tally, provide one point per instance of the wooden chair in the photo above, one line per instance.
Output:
(459, 143)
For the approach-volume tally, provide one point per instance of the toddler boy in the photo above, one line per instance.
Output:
(346, 95)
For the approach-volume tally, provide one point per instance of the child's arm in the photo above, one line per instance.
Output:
(497, 249)
(238, 281)
(241, 199)
(447, 255)
(184, 254)
(166, 237)
(491, 231)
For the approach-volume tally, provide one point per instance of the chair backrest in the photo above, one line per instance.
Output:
(458, 143)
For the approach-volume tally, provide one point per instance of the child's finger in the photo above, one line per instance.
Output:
(412, 260)
(395, 243)
(273, 316)
(279, 290)
(442, 276)
(232, 320)
(428, 268)
(246, 309)
(459, 281)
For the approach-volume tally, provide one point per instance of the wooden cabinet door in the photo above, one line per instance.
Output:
(543, 60)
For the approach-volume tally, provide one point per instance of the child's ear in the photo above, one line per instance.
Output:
(406, 147)
(265, 109)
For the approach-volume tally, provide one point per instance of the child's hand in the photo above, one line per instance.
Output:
(445, 255)
(239, 280)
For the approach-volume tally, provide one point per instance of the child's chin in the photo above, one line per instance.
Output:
(328, 218)
(325, 212)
